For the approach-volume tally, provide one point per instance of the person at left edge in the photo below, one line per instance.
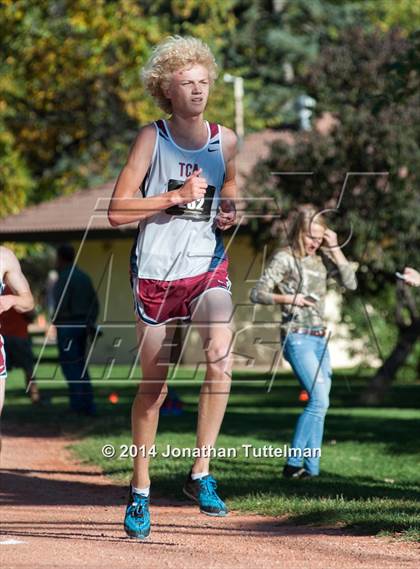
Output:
(18, 345)
(76, 311)
(20, 298)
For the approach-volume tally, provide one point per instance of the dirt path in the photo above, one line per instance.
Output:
(57, 513)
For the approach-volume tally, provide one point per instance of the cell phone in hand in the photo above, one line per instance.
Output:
(312, 298)
(400, 276)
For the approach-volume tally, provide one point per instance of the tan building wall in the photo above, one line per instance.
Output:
(107, 262)
(256, 342)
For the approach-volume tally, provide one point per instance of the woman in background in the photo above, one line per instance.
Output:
(300, 274)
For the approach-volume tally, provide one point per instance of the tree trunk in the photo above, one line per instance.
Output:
(381, 382)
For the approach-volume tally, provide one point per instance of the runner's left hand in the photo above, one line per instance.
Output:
(226, 215)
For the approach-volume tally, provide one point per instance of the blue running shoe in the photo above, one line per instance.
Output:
(137, 517)
(203, 491)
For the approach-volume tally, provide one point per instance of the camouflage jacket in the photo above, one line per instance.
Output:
(291, 275)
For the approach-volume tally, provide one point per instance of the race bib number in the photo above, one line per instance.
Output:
(199, 210)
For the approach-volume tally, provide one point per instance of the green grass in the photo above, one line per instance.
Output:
(369, 484)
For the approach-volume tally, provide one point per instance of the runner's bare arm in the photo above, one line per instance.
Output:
(127, 204)
(22, 299)
(229, 193)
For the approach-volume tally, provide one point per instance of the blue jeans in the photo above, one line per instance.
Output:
(308, 355)
(72, 342)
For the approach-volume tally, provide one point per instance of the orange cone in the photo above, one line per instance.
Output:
(303, 395)
(113, 398)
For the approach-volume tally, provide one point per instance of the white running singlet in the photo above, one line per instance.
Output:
(181, 242)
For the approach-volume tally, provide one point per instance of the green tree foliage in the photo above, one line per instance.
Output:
(274, 44)
(404, 14)
(75, 92)
(72, 99)
(15, 179)
(370, 83)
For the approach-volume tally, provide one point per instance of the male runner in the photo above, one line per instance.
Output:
(185, 169)
(21, 300)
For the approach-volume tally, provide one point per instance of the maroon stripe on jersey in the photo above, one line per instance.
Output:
(2, 358)
(161, 126)
(214, 129)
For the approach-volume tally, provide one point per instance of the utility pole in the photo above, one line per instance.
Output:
(238, 90)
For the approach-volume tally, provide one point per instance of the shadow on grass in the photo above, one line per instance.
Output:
(270, 417)
(252, 413)
(31, 489)
(357, 523)
(266, 479)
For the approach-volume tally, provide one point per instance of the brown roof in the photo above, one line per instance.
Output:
(86, 210)
(76, 212)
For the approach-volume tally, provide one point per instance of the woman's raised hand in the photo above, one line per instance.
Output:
(330, 238)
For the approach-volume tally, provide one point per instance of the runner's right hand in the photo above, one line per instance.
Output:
(194, 187)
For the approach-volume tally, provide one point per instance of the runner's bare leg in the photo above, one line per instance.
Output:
(212, 315)
(154, 346)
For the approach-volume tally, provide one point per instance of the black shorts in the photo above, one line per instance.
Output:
(18, 353)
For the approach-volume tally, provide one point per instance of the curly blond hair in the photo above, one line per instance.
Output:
(171, 55)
